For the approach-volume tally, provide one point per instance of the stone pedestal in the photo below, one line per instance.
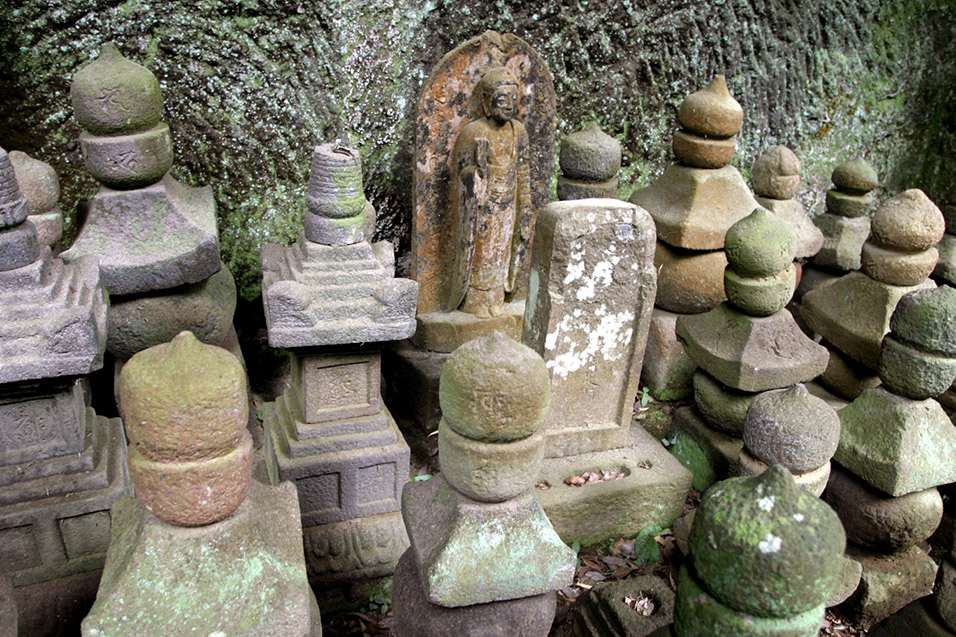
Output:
(667, 371)
(888, 583)
(243, 575)
(604, 611)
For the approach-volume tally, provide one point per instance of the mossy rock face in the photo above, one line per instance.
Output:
(764, 546)
(251, 87)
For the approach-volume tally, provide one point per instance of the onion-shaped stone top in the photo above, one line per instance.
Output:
(13, 206)
(39, 183)
(776, 174)
(764, 546)
(909, 222)
(855, 176)
(184, 401)
(114, 96)
(494, 389)
(792, 427)
(712, 111)
(760, 245)
(590, 155)
(927, 320)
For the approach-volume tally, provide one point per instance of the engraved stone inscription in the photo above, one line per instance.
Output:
(344, 385)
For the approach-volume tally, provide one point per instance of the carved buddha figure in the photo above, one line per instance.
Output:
(492, 202)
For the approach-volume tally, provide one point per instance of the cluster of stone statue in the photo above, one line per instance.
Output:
(521, 339)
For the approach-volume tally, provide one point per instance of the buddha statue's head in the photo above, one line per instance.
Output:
(498, 89)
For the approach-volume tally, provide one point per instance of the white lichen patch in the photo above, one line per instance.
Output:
(798, 517)
(766, 503)
(770, 544)
(607, 340)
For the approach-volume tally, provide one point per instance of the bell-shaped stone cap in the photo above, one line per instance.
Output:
(494, 389)
(791, 427)
(335, 184)
(776, 174)
(908, 222)
(927, 319)
(39, 183)
(760, 244)
(590, 155)
(184, 400)
(855, 176)
(712, 111)
(114, 96)
(13, 207)
(764, 546)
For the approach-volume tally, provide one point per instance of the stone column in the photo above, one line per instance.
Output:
(61, 465)
(853, 313)
(483, 553)
(591, 291)
(202, 549)
(333, 300)
(896, 446)
(693, 204)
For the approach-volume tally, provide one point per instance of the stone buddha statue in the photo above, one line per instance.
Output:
(491, 202)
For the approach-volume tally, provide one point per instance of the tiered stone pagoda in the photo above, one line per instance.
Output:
(896, 446)
(484, 558)
(693, 204)
(332, 299)
(853, 313)
(61, 465)
(155, 238)
(745, 346)
(203, 549)
(589, 304)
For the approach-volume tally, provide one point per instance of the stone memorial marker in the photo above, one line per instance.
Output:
(62, 466)
(896, 446)
(483, 553)
(202, 549)
(484, 150)
(693, 204)
(592, 287)
(332, 298)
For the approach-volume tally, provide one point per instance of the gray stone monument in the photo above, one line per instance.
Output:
(333, 299)
(591, 291)
(62, 466)
(40, 186)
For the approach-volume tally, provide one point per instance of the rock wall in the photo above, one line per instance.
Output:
(252, 85)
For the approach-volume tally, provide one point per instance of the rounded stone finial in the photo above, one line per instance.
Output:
(590, 154)
(855, 176)
(776, 174)
(114, 96)
(14, 208)
(760, 244)
(793, 428)
(908, 222)
(39, 183)
(712, 111)
(494, 389)
(762, 545)
(927, 319)
(185, 408)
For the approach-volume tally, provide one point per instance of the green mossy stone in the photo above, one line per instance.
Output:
(926, 318)
(910, 372)
(114, 96)
(760, 296)
(760, 244)
(724, 408)
(765, 546)
(855, 176)
(697, 614)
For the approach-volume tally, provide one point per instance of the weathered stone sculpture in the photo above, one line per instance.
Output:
(484, 156)
(482, 549)
(61, 465)
(776, 180)
(845, 224)
(945, 270)
(589, 162)
(155, 238)
(747, 345)
(764, 556)
(693, 204)
(896, 446)
(40, 186)
(333, 298)
(591, 291)
(853, 313)
(238, 567)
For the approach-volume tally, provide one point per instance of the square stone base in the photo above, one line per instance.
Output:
(446, 331)
(918, 619)
(412, 376)
(651, 493)
(668, 370)
(710, 455)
